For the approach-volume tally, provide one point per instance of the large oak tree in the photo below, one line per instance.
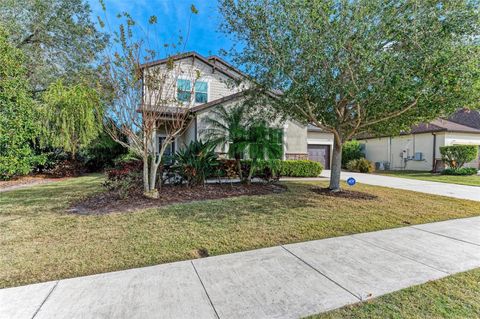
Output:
(359, 66)
(58, 38)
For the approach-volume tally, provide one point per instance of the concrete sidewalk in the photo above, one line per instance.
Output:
(435, 188)
(289, 281)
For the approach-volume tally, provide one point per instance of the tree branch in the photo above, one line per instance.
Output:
(392, 115)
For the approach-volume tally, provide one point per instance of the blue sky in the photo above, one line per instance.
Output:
(172, 17)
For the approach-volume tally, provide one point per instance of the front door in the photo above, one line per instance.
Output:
(319, 153)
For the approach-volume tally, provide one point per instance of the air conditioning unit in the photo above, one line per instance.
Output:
(418, 156)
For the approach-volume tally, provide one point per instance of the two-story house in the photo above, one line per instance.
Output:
(210, 82)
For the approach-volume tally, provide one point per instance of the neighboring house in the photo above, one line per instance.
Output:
(419, 149)
(221, 84)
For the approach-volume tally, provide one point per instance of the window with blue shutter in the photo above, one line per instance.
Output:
(201, 92)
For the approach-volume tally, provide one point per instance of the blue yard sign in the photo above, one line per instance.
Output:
(351, 181)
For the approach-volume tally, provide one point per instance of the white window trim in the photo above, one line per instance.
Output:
(208, 90)
(192, 97)
(182, 77)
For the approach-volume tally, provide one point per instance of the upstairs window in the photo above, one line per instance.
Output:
(201, 92)
(184, 89)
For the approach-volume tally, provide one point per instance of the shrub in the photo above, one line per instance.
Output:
(59, 163)
(125, 158)
(17, 164)
(124, 178)
(351, 150)
(196, 162)
(456, 156)
(361, 165)
(460, 171)
(268, 170)
(67, 168)
(300, 168)
(226, 168)
(102, 152)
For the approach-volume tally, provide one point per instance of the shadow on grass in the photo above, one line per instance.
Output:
(49, 197)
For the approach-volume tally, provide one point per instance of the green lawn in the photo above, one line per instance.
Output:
(473, 180)
(40, 241)
(456, 296)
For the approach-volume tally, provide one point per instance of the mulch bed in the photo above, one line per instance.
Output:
(109, 202)
(344, 194)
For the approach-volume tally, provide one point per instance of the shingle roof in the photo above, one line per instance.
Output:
(213, 103)
(466, 117)
(442, 125)
(438, 125)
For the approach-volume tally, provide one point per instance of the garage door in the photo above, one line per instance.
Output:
(319, 153)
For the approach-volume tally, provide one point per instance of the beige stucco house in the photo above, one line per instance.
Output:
(221, 84)
(419, 149)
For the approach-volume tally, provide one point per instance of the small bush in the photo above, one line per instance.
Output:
(456, 156)
(268, 170)
(125, 158)
(361, 165)
(460, 171)
(19, 164)
(67, 168)
(227, 168)
(124, 178)
(351, 150)
(53, 156)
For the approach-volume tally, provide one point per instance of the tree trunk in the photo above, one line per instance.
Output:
(336, 166)
(146, 186)
(250, 173)
(239, 167)
(153, 173)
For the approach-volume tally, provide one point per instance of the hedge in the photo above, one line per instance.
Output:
(300, 168)
(457, 155)
(460, 171)
(287, 168)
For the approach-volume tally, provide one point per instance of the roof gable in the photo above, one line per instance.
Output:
(225, 68)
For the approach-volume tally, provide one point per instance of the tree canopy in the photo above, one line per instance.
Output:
(362, 66)
(57, 36)
(74, 115)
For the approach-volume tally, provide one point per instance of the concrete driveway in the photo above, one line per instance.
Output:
(443, 189)
(289, 281)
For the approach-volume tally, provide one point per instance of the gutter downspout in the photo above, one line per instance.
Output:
(434, 159)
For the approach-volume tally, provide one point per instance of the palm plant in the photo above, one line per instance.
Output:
(196, 162)
(229, 127)
(263, 145)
